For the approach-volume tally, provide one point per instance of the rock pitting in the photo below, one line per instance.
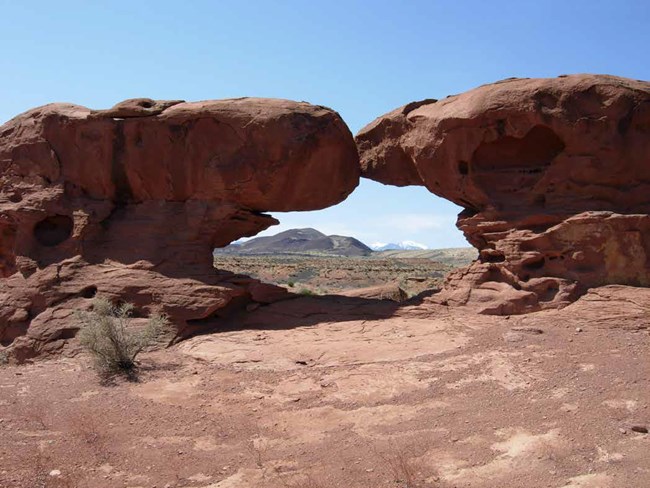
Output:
(554, 176)
(129, 202)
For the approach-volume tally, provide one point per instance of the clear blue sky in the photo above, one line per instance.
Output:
(362, 58)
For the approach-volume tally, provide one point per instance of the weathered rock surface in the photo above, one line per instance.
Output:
(554, 176)
(389, 291)
(129, 202)
(605, 307)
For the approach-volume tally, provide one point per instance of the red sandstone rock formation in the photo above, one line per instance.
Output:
(129, 202)
(554, 176)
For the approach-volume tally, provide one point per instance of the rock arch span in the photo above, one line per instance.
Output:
(554, 176)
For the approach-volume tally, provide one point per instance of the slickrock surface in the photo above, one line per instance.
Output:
(554, 176)
(325, 392)
(130, 202)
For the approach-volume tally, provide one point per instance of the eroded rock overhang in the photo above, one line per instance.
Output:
(130, 202)
(554, 177)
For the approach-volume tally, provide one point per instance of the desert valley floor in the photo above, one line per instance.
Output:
(372, 395)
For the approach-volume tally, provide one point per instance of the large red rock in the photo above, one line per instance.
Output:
(130, 202)
(554, 177)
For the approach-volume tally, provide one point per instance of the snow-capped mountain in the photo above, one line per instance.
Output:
(401, 246)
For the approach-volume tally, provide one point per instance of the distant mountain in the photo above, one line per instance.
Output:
(400, 246)
(299, 241)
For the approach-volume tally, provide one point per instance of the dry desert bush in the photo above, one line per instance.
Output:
(106, 334)
(405, 468)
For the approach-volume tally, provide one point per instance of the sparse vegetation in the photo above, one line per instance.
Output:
(106, 334)
(330, 275)
(4, 358)
(258, 448)
(404, 469)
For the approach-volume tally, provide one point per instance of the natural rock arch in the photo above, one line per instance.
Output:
(554, 176)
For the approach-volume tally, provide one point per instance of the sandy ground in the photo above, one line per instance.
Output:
(317, 394)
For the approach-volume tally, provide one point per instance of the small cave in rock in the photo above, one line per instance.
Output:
(66, 334)
(11, 333)
(88, 292)
(535, 263)
(535, 150)
(491, 256)
(53, 230)
(515, 164)
(549, 293)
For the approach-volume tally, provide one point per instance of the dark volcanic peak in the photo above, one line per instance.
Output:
(300, 241)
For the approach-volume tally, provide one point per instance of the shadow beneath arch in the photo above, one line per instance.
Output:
(301, 311)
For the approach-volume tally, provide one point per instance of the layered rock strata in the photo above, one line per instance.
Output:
(130, 202)
(553, 176)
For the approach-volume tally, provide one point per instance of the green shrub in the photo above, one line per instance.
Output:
(106, 335)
